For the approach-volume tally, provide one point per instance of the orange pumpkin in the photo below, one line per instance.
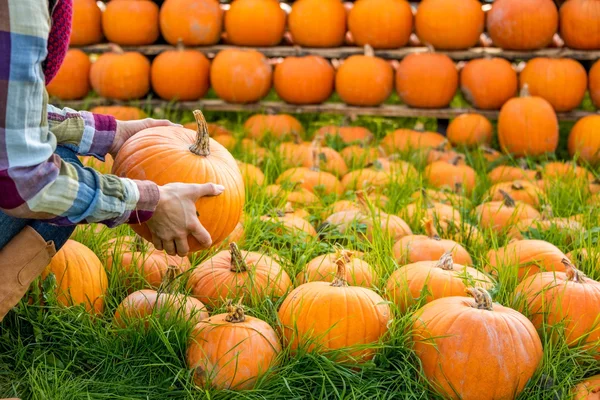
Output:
(121, 75)
(324, 268)
(441, 196)
(291, 223)
(584, 141)
(279, 126)
(304, 80)
(424, 208)
(561, 170)
(470, 130)
(392, 226)
(365, 178)
(448, 174)
(407, 140)
(255, 23)
(180, 75)
(131, 23)
(80, 277)
(312, 179)
(202, 160)
(240, 76)
(356, 155)
(72, 82)
(381, 24)
(348, 134)
(567, 226)
(180, 20)
(579, 24)
(102, 167)
(522, 25)
(296, 195)
(588, 389)
(501, 215)
(594, 84)
(251, 174)
(527, 256)
(327, 159)
(507, 173)
(318, 23)
(86, 28)
(426, 80)
(121, 113)
(488, 83)
(560, 81)
(524, 191)
(449, 24)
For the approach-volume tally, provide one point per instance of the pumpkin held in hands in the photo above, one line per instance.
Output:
(172, 154)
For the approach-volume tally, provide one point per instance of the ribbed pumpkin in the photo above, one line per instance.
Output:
(524, 191)
(560, 81)
(278, 126)
(527, 256)
(500, 215)
(255, 23)
(86, 26)
(588, 389)
(189, 157)
(325, 316)
(501, 342)
(382, 24)
(348, 134)
(579, 24)
(180, 74)
(80, 277)
(296, 195)
(507, 173)
(406, 140)
(488, 83)
(528, 126)
(72, 82)
(131, 23)
(318, 23)
(251, 174)
(442, 174)
(324, 269)
(594, 84)
(180, 20)
(364, 178)
(356, 155)
(426, 80)
(584, 141)
(434, 279)
(470, 130)
(292, 223)
(241, 76)
(364, 80)
(569, 228)
(122, 113)
(121, 75)
(449, 24)
(304, 80)
(522, 25)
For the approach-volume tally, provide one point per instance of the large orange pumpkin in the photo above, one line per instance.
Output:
(318, 23)
(524, 191)
(180, 75)
(72, 82)
(560, 81)
(278, 126)
(241, 76)
(189, 157)
(449, 24)
(86, 26)
(193, 22)
(527, 256)
(121, 75)
(80, 277)
(442, 174)
(324, 269)
(500, 341)
(594, 84)
(470, 130)
(522, 25)
(588, 389)
(426, 80)
(130, 23)
(381, 24)
(255, 23)
(579, 26)
(584, 141)
(488, 83)
(304, 80)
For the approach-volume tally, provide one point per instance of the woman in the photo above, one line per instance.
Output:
(44, 190)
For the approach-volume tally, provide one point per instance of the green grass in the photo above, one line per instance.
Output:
(53, 352)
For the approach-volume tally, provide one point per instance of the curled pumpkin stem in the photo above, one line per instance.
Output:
(430, 229)
(483, 300)
(508, 200)
(237, 260)
(573, 274)
(202, 145)
(235, 313)
(442, 146)
(446, 262)
(340, 276)
(168, 279)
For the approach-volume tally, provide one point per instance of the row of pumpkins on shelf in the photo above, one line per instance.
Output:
(424, 80)
(383, 24)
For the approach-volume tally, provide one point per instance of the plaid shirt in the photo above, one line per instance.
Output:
(34, 182)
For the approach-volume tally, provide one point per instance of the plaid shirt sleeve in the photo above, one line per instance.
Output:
(34, 182)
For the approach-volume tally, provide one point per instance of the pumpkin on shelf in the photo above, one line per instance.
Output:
(255, 23)
(304, 80)
(382, 24)
(121, 113)
(488, 83)
(86, 26)
(594, 84)
(500, 215)
(131, 23)
(584, 143)
(470, 130)
(278, 126)
(324, 269)
(72, 82)
(180, 19)
(442, 174)
(317, 23)
(202, 159)
(527, 256)
(579, 25)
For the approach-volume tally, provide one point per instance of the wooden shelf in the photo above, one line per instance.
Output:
(280, 107)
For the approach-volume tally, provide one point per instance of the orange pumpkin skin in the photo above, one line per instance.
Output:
(180, 19)
(72, 82)
(500, 215)
(291, 224)
(561, 81)
(426, 80)
(488, 83)
(311, 180)
(364, 81)
(355, 155)
(240, 76)
(324, 268)
(299, 196)
(584, 140)
(121, 76)
(218, 214)
(529, 256)
(252, 175)
(392, 226)
(579, 24)
(470, 130)
(501, 341)
(255, 23)
(329, 161)
(80, 277)
(348, 134)
(122, 113)
(131, 23)
(382, 24)
(594, 84)
(226, 354)
(180, 75)
(279, 126)
(443, 174)
(528, 126)
(403, 140)
(506, 173)
(304, 80)
(588, 389)
(524, 191)
(318, 23)
(364, 178)
(436, 211)
(522, 25)
(86, 26)
(102, 167)
(561, 170)
(449, 24)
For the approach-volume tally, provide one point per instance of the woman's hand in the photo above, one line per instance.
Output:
(175, 217)
(127, 129)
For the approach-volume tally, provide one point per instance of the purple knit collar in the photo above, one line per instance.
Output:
(58, 40)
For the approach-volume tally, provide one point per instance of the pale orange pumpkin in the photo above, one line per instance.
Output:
(406, 140)
(501, 215)
(448, 174)
(524, 191)
(121, 113)
(507, 173)
(588, 389)
(348, 134)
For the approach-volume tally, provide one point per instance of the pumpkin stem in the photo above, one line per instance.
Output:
(296, 137)
(138, 243)
(547, 212)
(525, 91)
(288, 208)
(382, 153)
(235, 313)
(202, 145)
(430, 229)
(168, 279)
(316, 154)
(342, 253)
(456, 159)
(573, 274)
(369, 52)
(442, 146)
(340, 276)
(446, 262)
(237, 260)
(115, 48)
(419, 127)
(458, 188)
(523, 164)
(508, 200)
(483, 300)
(517, 185)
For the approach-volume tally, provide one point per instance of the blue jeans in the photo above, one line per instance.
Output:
(10, 226)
